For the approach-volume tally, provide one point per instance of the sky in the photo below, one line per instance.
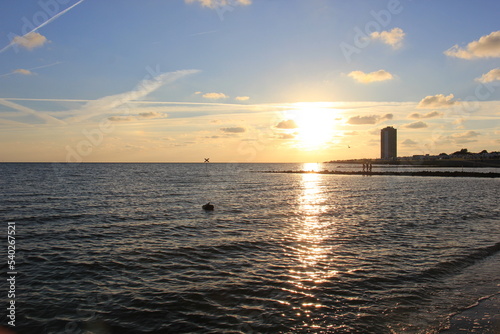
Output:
(246, 80)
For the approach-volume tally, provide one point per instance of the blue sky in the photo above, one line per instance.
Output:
(245, 80)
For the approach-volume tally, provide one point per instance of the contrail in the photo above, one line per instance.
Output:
(45, 23)
(55, 17)
(41, 115)
(44, 66)
(30, 69)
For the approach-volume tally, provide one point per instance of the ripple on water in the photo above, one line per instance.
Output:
(281, 253)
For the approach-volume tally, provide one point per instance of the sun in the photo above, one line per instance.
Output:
(315, 125)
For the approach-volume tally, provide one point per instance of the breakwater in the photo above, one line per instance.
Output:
(409, 173)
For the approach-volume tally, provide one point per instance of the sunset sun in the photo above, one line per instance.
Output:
(315, 126)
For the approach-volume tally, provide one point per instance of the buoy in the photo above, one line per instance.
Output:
(208, 207)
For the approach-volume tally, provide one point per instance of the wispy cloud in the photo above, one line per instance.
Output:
(394, 37)
(431, 114)
(150, 114)
(144, 109)
(438, 101)
(487, 46)
(14, 123)
(23, 71)
(220, 3)
(409, 143)
(144, 88)
(28, 71)
(139, 116)
(121, 118)
(233, 130)
(380, 75)
(416, 125)
(370, 119)
(286, 136)
(242, 98)
(215, 96)
(467, 134)
(288, 124)
(38, 114)
(493, 75)
(465, 137)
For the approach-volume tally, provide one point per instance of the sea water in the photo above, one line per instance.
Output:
(127, 248)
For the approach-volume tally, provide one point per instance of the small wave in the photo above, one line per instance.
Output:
(458, 264)
(474, 318)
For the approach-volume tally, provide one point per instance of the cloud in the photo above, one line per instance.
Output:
(150, 114)
(492, 75)
(363, 120)
(233, 130)
(380, 75)
(29, 71)
(393, 38)
(23, 72)
(30, 41)
(351, 133)
(431, 114)
(220, 3)
(487, 46)
(437, 101)
(459, 123)
(286, 136)
(242, 98)
(409, 142)
(47, 118)
(145, 87)
(371, 119)
(121, 118)
(416, 125)
(288, 124)
(13, 42)
(465, 135)
(215, 96)
(142, 115)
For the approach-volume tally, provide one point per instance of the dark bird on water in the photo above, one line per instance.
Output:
(208, 207)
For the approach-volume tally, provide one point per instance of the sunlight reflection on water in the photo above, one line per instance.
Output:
(313, 251)
(282, 253)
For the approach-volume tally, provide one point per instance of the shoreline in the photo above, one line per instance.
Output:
(482, 317)
(419, 173)
(470, 163)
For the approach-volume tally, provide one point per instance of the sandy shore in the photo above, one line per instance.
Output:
(482, 318)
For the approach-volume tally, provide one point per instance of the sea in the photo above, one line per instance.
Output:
(127, 248)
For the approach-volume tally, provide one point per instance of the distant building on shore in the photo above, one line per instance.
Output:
(389, 143)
